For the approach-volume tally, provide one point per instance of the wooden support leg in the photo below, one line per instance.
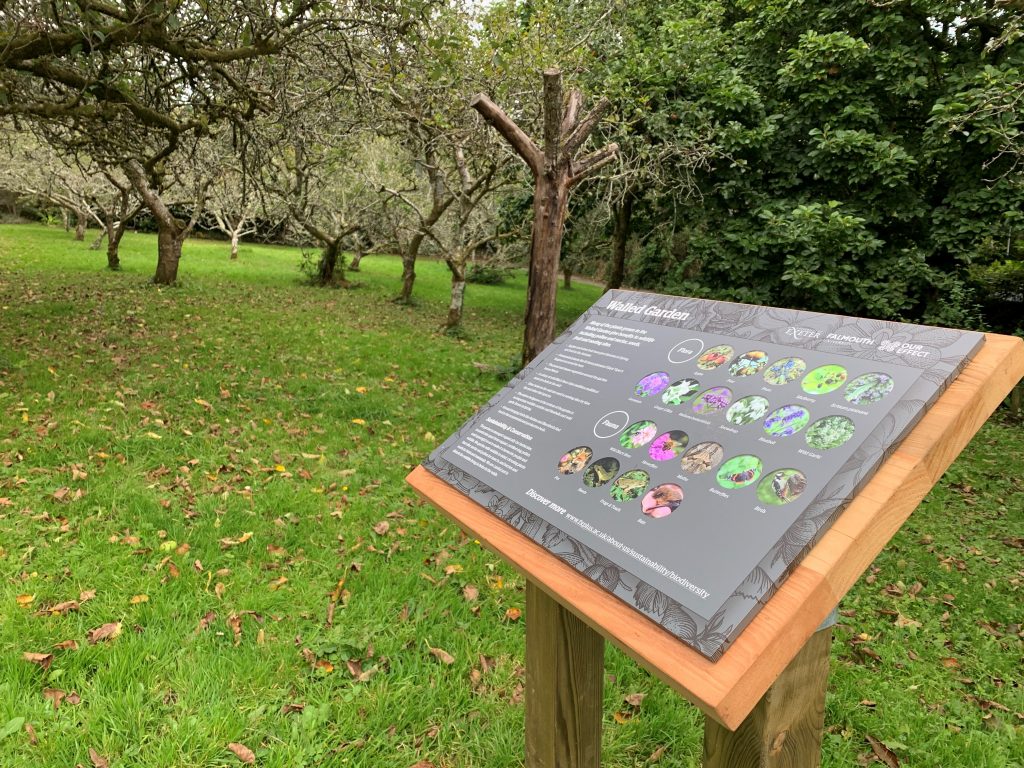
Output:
(564, 676)
(785, 728)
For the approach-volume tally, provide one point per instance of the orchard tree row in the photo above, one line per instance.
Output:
(855, 156)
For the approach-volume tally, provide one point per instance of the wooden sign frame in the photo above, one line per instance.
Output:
(729, 690)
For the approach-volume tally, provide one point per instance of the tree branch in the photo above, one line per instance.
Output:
(589, 164)
(552, 117)
(512, 133)
(585, 127)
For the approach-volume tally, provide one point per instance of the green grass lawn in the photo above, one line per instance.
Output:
(214, 474)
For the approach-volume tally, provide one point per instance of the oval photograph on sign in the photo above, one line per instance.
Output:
(630, 485)
(702, 457)
(662, 501)
(600, 472)
(784, 371)
(739, 471)
(781, 486)
(575, 460)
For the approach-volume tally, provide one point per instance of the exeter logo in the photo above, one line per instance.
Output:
(802, 333)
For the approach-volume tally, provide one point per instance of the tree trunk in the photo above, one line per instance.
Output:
(81, 220)
(331, 270)
(458, 270)
(409, 268)
(566, 276)
(549, 208)
(234, 245)
(620, 238)
(168, 241)
(66, 218)
(114, 234)
(353, 266)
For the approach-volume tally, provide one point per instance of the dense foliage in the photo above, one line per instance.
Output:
(867, 155)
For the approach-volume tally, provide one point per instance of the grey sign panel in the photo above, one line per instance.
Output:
(685, 454)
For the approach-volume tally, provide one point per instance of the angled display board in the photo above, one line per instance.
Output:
(684, 454)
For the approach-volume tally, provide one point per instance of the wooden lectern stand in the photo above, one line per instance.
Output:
(765, 698)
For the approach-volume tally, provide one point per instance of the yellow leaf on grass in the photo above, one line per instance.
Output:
(359, 421)
(361, 390)
(279, 468)
(153, 436)
(139, 599)
(25, 599)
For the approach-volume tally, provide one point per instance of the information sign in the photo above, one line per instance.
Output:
(685, 453)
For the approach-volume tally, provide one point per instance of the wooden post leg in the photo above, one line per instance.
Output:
(785, 728)
(564, 676)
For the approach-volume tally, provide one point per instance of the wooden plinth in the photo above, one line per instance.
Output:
(728, 690)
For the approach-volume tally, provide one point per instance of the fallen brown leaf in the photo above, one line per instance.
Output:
(382, 527)
(86, 595)
(55, 696)
(44, 660)
(104, 633)
(470, 593)
(635, 699)
(32, 738)
(66, 645)
(883, 753)
(513, 614)
(243, 753)
(287, 709)
(98, 760)
(443, 656)
(657, 754)
(205, 622)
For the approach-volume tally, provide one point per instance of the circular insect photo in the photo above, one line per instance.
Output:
(680, 392)
(715, 357)
(640, 433)
(630, 485)
(781, 487)
(662, 500)
(822, 380)
(746, 410)
(712, 400)
(784, 371)
(651, 384)
(830, 432)
(786, 421)
(749, 363)
(702, 457)
(575, 460)
(869, 388)
(739, 471)
(668, 445)
(600, 472)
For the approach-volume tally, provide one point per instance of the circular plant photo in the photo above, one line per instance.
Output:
(749, 363)
(746, 410)
(600, 472)
(575, 460)
(715, 357)
(823, 380)
(680, 392)
(869, 388)
(712, 400)
(662, 500)
(640, 433)
(702, 457)
(781, 487)
(786, 421)
(830, 432)
(630, 485)
(784, 371)
(668, 445)
(739, 471)
(651, 384)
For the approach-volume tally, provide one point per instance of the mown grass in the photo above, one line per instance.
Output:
(145, 431)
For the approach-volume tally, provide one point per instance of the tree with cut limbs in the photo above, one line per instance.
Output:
(556, 170)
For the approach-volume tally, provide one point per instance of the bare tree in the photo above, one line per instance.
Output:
(556, 170)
